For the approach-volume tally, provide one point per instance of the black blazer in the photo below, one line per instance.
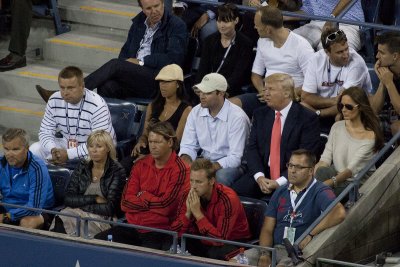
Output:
(301, 130)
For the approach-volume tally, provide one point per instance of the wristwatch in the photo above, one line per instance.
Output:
(141, 63)
(334, 181)
(318, 112)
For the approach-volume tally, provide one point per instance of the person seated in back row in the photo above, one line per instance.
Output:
(386, 100)
(279, 50)
(210, 209)
(156, 39)
(24, 181)
(95, 187)
(227, 52)
(169, 105)
(71, 115)
(330, 71)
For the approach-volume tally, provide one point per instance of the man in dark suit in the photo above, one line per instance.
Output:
(298, 128)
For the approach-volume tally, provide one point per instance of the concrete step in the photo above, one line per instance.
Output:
(100, 13)
(21, 112)
(20, 83)
(82, 49)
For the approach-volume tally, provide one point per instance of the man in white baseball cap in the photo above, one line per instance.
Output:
(216, 127)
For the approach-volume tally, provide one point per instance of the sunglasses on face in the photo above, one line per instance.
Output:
(334, 36)
(347, 106)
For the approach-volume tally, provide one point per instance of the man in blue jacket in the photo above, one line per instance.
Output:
(24, 181)
(156, 39)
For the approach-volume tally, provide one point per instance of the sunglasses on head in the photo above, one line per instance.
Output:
(347, 106)
(334, 36)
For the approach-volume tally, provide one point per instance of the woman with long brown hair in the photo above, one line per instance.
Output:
(352, 141)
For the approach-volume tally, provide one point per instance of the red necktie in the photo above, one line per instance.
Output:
(275, 149)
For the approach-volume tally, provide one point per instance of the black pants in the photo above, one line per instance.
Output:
(197, 248)
(21, 15)
(133, 237)
(122, 79)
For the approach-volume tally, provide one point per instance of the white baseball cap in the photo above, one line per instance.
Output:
(212, 82)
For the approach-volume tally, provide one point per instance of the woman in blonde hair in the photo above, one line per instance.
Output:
(95, 187)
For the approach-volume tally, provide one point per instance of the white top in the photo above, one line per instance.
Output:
(292, 58)
(92, 114)
(222, 138)
(346, 152)
(318, 81)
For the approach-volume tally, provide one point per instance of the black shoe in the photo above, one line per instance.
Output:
(44, 93)
(10, 62)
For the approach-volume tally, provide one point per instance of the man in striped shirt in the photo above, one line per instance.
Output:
(71, 115)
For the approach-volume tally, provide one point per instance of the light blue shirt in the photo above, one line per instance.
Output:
(145, 43)
(325, 8)
(222, 138)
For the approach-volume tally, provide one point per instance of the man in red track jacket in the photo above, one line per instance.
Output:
(212, 210)
(152, 193)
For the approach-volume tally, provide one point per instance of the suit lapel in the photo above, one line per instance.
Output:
(290, 122)
(268, 123)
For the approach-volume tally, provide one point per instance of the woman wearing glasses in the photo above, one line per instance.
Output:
(95, 187)
(352, 141)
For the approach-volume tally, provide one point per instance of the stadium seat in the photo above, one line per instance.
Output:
(371, 10)
(51, 10)
(374, 78)
(397, 13)
(255, 210)
(60, 178)
(126, 120)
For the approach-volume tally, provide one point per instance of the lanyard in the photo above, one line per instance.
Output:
(295, 206)
(78, 119)
(226, 53)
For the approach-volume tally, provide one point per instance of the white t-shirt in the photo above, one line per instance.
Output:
(318, 80)
(292, 58)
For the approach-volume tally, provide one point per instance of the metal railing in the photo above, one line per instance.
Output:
(40, 211)
(239, 244)
(319, 263)
(352, 188)
(173, 234)
(338, 19)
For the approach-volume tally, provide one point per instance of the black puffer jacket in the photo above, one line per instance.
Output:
(112, 183)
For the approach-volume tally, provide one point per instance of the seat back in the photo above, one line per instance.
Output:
(126, 120)
(60, 178)
(374, 79)
(397, 13)
(191, 52)
(255, 210)
(371, 10)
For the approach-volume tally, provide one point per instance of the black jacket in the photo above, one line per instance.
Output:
(112, 183)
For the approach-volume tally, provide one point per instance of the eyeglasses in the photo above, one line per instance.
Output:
(334, 36)
(347, 106)
(296, 167)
